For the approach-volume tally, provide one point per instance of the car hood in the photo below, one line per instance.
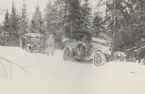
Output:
(104, 48)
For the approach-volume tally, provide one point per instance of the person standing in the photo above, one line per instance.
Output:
(42, 44)
(23, 42)
(50, 45)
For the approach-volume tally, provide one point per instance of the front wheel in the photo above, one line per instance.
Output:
(99, 58)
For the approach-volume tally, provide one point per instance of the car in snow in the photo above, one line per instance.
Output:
(33, 41)
(97, 50)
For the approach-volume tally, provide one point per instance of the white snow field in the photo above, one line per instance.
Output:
(51, 75)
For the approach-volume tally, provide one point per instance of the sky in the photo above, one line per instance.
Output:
(31, 4)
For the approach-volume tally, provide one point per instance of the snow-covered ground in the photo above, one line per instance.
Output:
(51, 75)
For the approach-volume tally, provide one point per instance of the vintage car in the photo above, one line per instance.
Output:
(32, 41)
(95, 49)
(33, 44)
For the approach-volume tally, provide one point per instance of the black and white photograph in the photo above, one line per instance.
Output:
(72, 46)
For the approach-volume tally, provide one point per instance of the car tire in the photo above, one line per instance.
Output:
(99, 58)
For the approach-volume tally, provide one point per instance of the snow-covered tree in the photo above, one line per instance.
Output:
(37, 21)
(54, 16)
(97, 24)
(6, 25)
(78, 19)
(73, 18)
(13, 36)
(54, 19)
(24, 22)
(14, 21)
(85, 11)
(50, 18)
(126, 16)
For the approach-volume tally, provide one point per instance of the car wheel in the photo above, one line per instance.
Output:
(99, 58)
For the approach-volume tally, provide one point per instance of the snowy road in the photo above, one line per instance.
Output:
(52, 75)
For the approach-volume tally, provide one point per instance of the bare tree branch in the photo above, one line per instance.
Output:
(4, 73)
(15, 65)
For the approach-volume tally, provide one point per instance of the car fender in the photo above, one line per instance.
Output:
(104, 51)
(94, 52)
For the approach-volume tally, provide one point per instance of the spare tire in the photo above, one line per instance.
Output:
(80, 50)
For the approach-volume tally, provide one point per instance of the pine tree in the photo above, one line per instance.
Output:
(6, 26)
(126, 16)
(97, 24)
(55, 20)
(86, 17)
(54, 17)
(37, 21)
(50, 17)
(14, 20)
(14, 27)
(73, 19)
(24, 19)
